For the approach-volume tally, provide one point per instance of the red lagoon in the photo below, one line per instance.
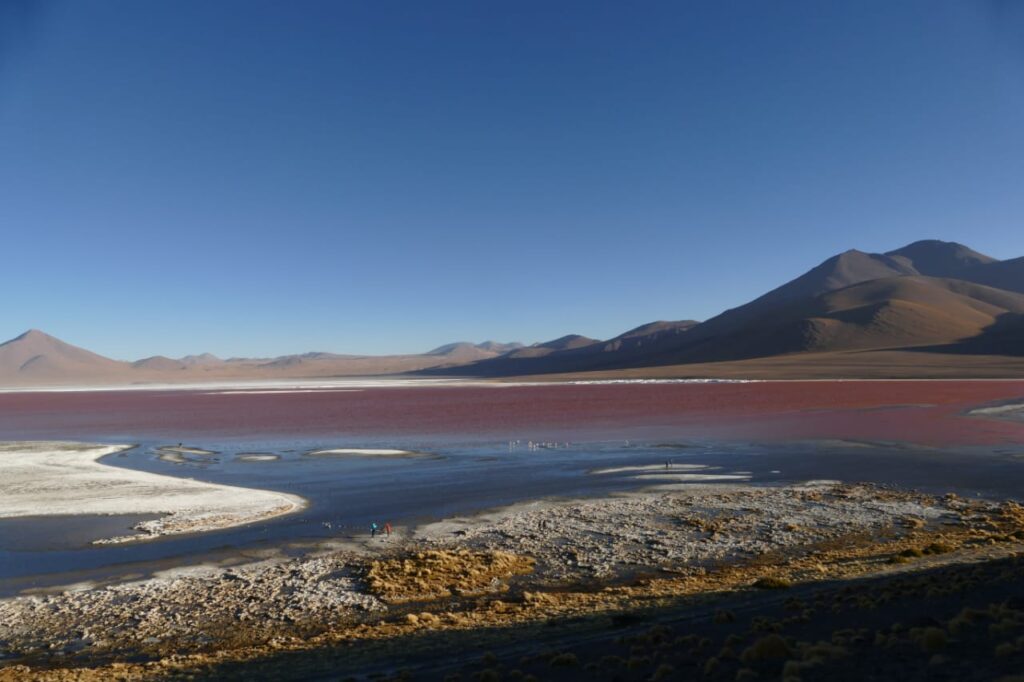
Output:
(924, 412)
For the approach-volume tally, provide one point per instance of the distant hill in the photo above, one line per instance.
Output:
(201, 359)
(466, 351)
(159, 363)
(36, 357)
(539, 350)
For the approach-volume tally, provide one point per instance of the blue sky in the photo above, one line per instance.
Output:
(259, 178)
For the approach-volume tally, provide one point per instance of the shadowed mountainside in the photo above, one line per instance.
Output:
(930, 294)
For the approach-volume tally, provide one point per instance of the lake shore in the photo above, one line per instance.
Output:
(513, 567)
(51, 478)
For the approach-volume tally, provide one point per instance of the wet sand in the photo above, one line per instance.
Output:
(60, 478)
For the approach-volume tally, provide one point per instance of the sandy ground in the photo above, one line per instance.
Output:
(57, 478)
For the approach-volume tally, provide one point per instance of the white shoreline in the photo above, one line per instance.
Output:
(258, 386)
(355, 384)
(646, 468)
(363, 452)
(47, 478)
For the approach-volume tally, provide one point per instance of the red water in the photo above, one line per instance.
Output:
(912, 411)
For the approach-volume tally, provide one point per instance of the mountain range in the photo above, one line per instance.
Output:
(38, 359)
(931, 308)
(938, 303)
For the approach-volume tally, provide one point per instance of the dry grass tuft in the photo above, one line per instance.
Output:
(439, 573)
(767, 648)
(566, 660)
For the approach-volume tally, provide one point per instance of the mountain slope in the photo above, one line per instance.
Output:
(1006, 274)
(575, 353)
(38, 356)
(760, 323)
(897, 312)
(466, 351)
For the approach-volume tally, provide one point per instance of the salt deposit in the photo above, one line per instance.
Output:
(59, 478)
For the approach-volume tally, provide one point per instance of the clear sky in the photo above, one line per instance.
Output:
(258, 178)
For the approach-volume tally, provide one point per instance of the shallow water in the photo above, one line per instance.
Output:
(479, 467)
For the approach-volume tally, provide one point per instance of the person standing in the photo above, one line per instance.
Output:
(387, 529)
(373, 529)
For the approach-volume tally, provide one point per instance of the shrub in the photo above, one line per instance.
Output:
(939, 548)
(1005, 649)
(566, 660)
(767, 648)
(724, 616)
(933, 640)
(663, 672)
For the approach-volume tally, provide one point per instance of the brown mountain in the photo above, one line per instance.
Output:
(466, 351)
(765, 325)
(539, 350)
(575, 353)
(36, 357)
(934, 295)
(893, 312)
(941, 259)
(160, 363)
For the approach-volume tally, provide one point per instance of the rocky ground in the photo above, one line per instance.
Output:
(685, 527)
(510, 571)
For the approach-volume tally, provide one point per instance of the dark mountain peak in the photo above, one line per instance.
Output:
(498, 346)
(842, 270)
(658, 326)
(450, 347)
(566, 342)
(936, 258)
(469, 346)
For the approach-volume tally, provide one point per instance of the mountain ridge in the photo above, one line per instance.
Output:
(929, 296)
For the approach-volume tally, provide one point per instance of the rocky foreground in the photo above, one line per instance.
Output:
(512, 570)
